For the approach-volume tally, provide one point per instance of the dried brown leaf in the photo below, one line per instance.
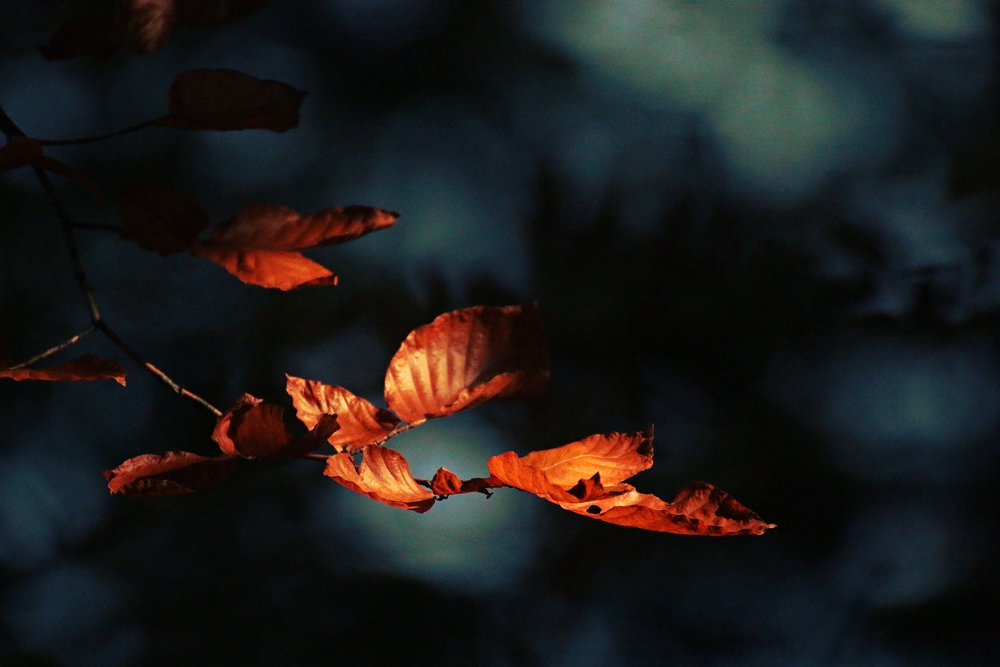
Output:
(85, 367)
(699, 509)
(383, 475)
(170, 474)
(161, 218)
(224, 99)
(468, 357)
(254, 429)
(278, 269)
(446, 483)
(361, 423)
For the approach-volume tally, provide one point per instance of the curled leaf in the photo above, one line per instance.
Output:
(277, 269)
(361, 423)
(584, 477)
(468, 357)
(446, 483)
(168, 474)
(83, 368)
(254, 429)
(224, 99)
(383, 475)
(161, 218)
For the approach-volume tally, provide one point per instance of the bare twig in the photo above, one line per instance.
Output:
(55, 348)
(402, 428)
(316, 457)
(10, 130)
(99, 137)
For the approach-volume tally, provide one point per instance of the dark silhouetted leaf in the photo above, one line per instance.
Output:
(161, 217)
(167, 475)
(95, 35)
(361, 423)
(85, 367)
(254, 429)
(224, 99)
(571, 476)
(467, 357)
(383, 475)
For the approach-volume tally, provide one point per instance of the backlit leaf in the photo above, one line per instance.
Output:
(383, 475)
(699, 509)
(161, 217)
(168, 474)
(277, 269)
(224, 99)
(276, 227)
(467, 357)
(85, 367)
(361, 423)
(147, 24)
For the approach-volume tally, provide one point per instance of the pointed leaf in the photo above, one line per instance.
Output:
(700, 509)
(383, 475)
(278, 269)
(224, 99)
(161, 217)
(214, 13)
(361, 423)
(85, 367)
(170, 474)
(276, 227)
(467, 357)
(446, 483)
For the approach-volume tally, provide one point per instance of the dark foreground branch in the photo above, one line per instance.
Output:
(98, 137)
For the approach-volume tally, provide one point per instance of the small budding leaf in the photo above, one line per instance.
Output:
(260, 244)
(83, 368)
(224, 99)
(361, 423)
(383, 475)
(699, 509)
(167, 475)
(468, 357)
(161, 217)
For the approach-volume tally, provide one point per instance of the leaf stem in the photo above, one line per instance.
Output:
(316, 457)
(401, 428)
(98, 137)
(55, 348)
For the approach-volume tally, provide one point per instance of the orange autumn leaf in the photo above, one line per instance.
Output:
(570, 478)
(446, 483)
(224, 99)
(170, 474)
(259, 244)
(254, 429)
(361, 423)
(160, 217)
(468, 357)
(83, 368)
(276, 269)
(383, 475)
(276, 227)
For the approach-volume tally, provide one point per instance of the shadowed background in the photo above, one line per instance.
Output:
(768, 227)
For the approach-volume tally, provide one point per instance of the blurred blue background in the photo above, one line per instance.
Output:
(768, 227)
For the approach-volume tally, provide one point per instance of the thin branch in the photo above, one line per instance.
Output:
(55, 348)
(99, 137)
(163, 377)
(316, 457)
(402, 428)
